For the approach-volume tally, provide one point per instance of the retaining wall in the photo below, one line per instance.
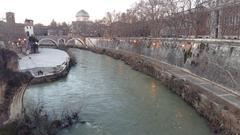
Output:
(215, 60)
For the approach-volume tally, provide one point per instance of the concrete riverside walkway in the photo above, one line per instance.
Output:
(218, 90)
(48, 61)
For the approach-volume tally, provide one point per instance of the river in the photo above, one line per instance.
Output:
(116, 100)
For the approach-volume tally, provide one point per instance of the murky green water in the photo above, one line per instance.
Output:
(116, 100)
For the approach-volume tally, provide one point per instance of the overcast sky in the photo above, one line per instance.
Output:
(43, 11)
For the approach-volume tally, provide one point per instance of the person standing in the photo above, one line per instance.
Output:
(33, 43)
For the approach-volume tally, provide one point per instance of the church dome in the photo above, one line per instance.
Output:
(82, 13)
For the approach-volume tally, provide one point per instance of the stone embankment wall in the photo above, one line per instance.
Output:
(12, 86)
(59, 72)
(181, 66)
(215, 60)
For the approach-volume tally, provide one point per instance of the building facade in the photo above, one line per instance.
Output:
(10, 31)
(10, 17)
(28, 28)
(83, 27)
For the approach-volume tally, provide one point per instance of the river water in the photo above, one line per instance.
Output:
(116, 100)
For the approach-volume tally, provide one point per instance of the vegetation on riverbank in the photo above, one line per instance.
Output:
(38, 122)
(11, 81)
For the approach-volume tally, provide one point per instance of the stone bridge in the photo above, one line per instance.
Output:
(58, 41)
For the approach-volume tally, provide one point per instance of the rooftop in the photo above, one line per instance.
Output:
(82, 13)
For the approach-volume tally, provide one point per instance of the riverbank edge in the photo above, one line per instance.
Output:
(51, 78)
(59, 75)
(209, 100)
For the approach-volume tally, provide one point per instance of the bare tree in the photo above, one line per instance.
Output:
(109, 19)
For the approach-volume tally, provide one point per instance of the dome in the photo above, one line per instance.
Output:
(82, 13)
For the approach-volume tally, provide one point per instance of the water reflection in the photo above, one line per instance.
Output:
(153, 88)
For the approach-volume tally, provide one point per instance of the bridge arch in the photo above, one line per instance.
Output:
(73, 39)
(61, 41)
(48, 39)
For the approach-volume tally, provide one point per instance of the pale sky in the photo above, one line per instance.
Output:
(43, 11)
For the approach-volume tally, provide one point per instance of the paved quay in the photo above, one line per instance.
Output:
(47, 62)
